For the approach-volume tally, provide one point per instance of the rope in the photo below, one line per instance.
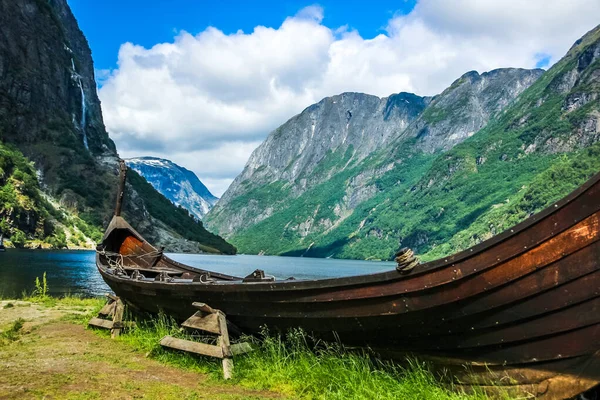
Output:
(406, 260)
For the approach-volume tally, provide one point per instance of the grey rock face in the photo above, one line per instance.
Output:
(358, 125)
(355, 121)
(176, 183)
(47, 75)
(50, 110)
(467, 106)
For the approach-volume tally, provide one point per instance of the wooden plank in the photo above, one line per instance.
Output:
(240, 348)
(225, 347)
(101, 323)
(112, 296)
(117, 319)
(204, 307)
(192, 347)
(108, 309)
(208, 323)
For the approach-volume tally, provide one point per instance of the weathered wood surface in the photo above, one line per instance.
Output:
(204, 307)
(192, 347)
(101, 323)
(225, 346)
(108, 309)
(525, 300)
(117, 319)
(214, 321)
(208, 323)
(114, 310)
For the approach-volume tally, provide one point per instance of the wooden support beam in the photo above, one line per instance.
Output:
(117, 319)
(214, 321)
(208, 323)
(204, 307)
(225, 347)
(113, 309)
(112, 296)
(108, 309)
(192, 347)
(101, 323)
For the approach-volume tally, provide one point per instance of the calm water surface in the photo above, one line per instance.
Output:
(75, 272)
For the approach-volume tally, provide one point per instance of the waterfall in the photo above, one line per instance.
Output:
(77, 78)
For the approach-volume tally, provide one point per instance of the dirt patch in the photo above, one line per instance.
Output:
(58, 359)
(35, 314)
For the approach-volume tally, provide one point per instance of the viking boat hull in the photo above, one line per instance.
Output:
(521, 310)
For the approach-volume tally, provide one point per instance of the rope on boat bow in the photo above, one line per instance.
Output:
(115, 260)
(406, 260)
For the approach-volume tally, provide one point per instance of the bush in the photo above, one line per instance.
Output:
(18, 238)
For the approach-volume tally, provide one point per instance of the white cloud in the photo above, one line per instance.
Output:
(206, 101)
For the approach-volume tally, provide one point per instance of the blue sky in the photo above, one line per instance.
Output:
(115, 22)
(203, 83)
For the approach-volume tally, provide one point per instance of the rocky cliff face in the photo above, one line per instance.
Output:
(47, 77)
(176, 183)
(481, 156)
(467, 106)
(49, 109)
(341, 131)
(356, 123)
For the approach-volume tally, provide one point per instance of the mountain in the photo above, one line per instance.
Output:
(176, 183)
(58, 174)
(436, 174)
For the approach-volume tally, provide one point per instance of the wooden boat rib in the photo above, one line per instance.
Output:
(521, 310)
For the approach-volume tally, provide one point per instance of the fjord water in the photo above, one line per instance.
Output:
(74, 272)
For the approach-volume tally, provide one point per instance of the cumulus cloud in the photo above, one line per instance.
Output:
(206, 101)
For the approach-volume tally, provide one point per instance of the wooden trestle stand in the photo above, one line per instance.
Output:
(214, 321)
(111, 316)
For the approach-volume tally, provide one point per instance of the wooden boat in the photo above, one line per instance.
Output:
(521, 311)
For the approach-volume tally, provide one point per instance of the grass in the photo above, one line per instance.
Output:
(295, 364)
(12, 333)
(299, 366)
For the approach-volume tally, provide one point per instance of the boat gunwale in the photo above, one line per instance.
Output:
(385, 276)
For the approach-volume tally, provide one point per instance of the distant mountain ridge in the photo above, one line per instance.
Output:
(356, 176)
(176, 183)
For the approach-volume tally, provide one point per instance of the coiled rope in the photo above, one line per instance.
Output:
(406, 260)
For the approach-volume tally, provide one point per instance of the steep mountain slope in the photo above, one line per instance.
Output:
(309, 149)
(50, 112)
(474, 162)
(176, 183)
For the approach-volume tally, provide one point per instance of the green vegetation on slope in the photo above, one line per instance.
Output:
(536, 151)
(177, 218)
(27, 217)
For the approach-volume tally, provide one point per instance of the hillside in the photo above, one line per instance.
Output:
(28, 217)
(176, 183)
(51, 115)
(484, 154)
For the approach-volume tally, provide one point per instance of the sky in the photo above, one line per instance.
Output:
(203, 83)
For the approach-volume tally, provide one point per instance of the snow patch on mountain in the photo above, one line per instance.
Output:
(176, 183)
